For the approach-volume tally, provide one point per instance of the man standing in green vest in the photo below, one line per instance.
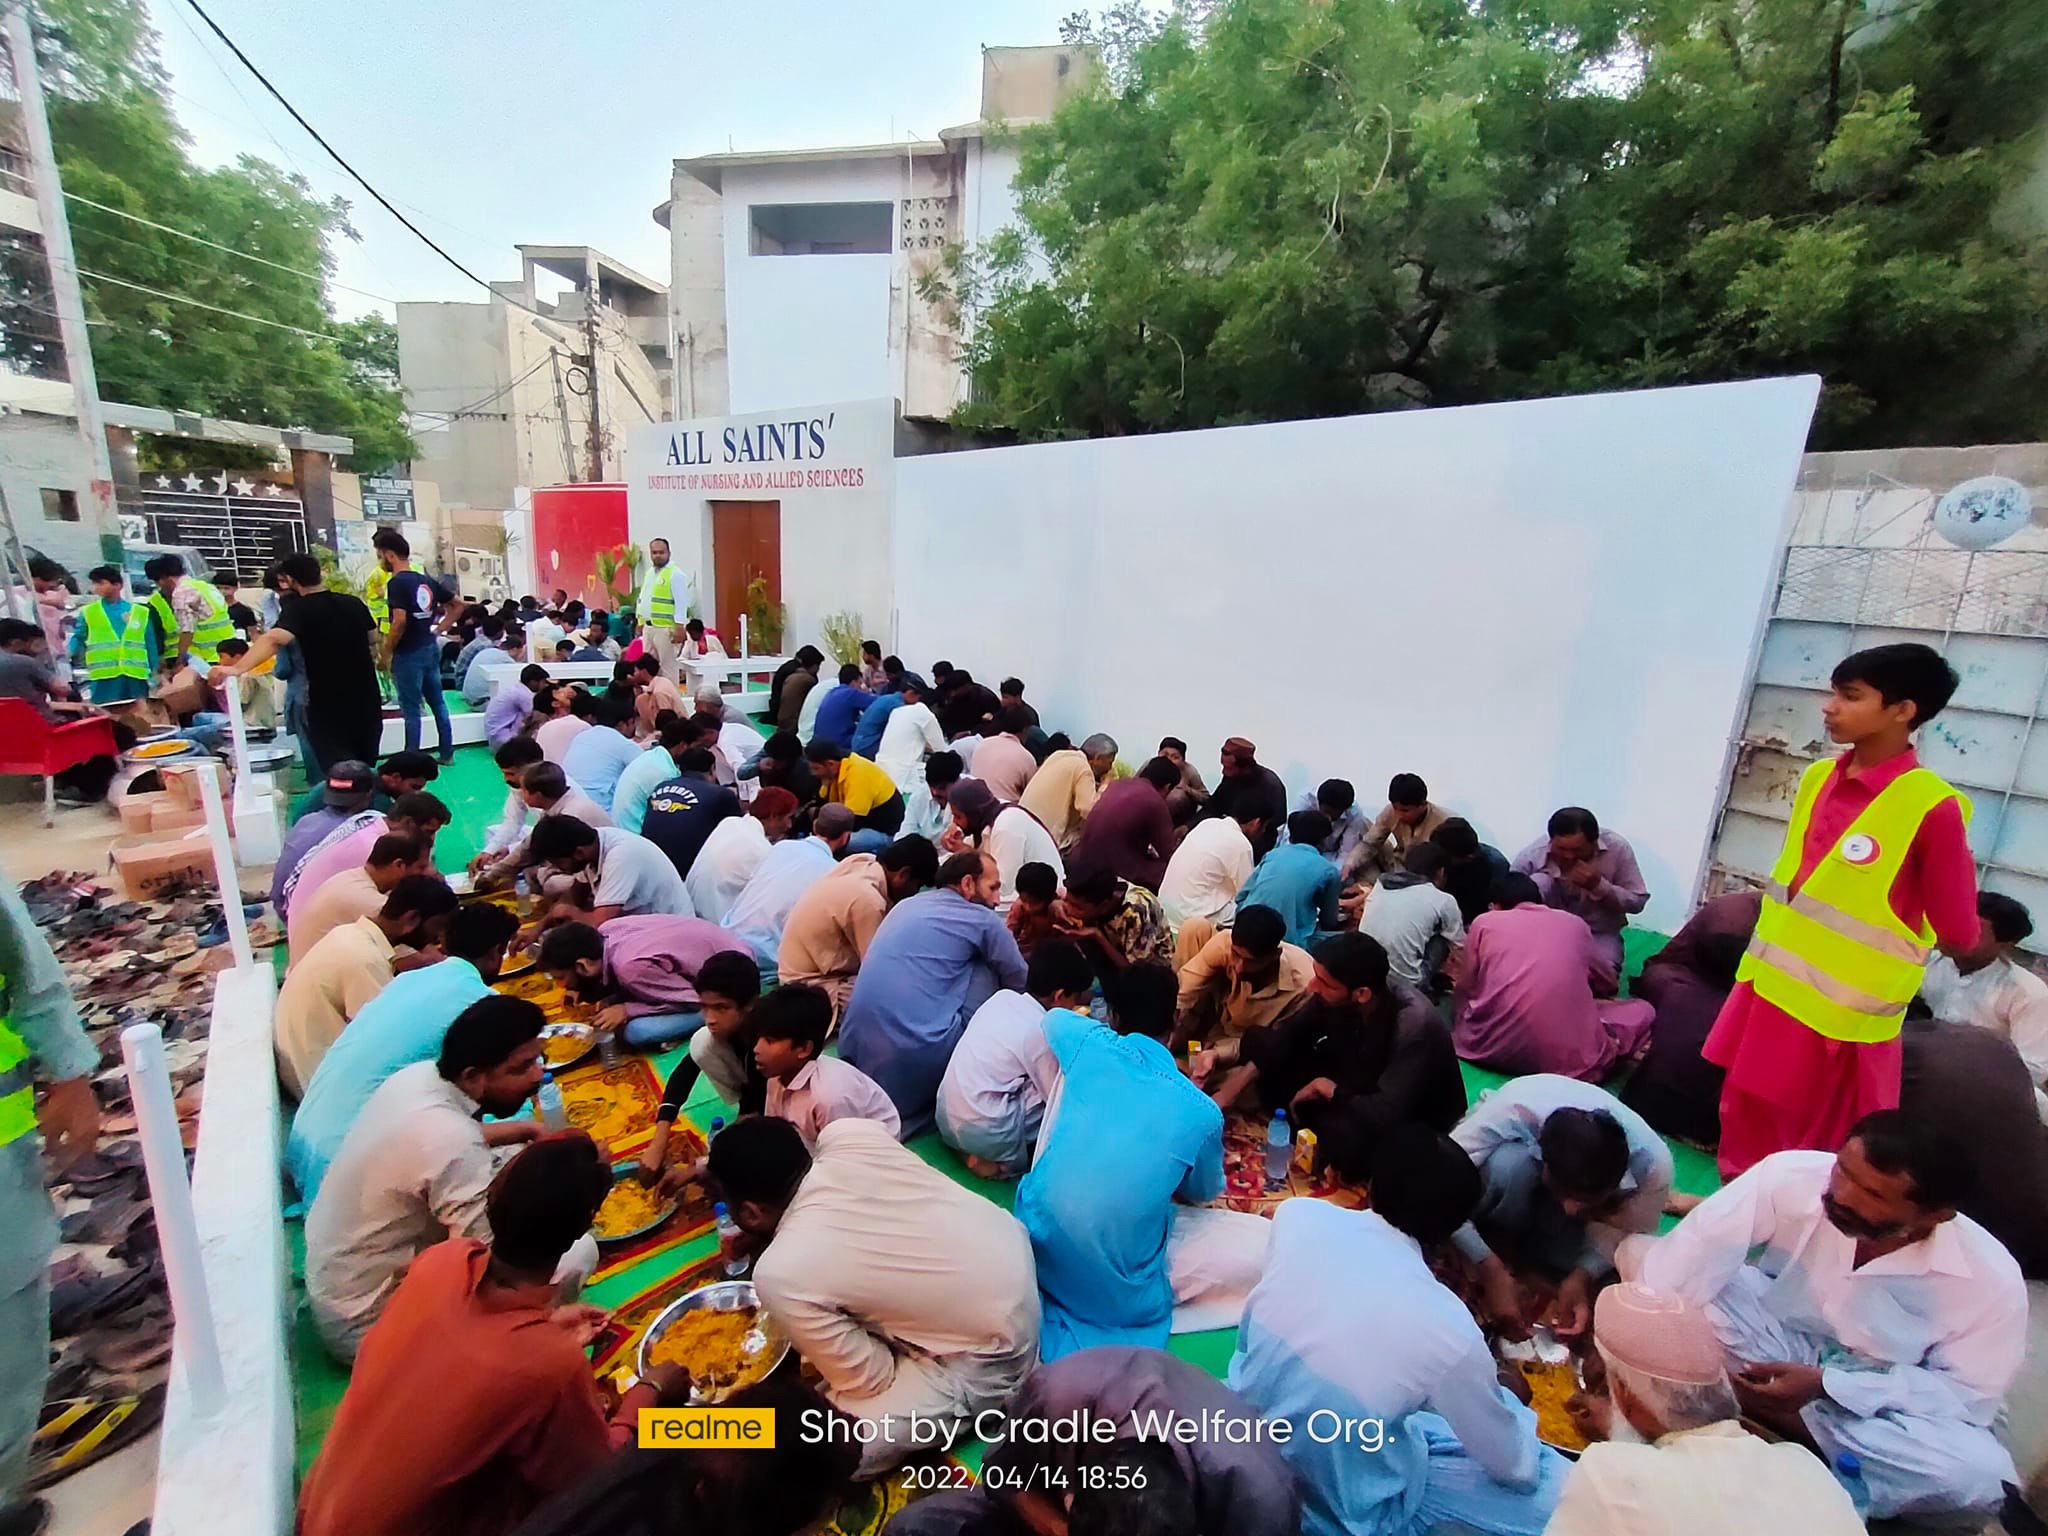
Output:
(113, 642)
(191, 610)
(40, 1039)
(663, 608)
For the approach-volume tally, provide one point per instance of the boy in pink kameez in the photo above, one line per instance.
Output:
(1788, 1084)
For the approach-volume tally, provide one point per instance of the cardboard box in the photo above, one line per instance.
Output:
(136, 810)
(146, 868)
(172, 817)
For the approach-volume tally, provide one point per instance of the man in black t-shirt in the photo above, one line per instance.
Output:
(344, 711)
(683, 810)
(410, 655)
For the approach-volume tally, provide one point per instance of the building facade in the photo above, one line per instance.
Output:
(796, 277)
(520, 390)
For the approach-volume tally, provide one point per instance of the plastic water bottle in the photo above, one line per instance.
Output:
(549, 1103)
(1849, 1473)
(1279, 1149)
(736, 1266)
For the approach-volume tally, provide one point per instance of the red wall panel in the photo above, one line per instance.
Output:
(571, 523)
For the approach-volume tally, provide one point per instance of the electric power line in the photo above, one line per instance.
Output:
(180, 298)
(385, 202)
(318, 277)
(503, 389)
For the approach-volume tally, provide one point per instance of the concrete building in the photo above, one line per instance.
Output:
(794, 275)
(503, 390)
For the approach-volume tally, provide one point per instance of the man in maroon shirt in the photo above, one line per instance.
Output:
(1130, 831)
(472, 1401)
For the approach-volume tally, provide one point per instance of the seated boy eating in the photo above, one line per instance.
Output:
(806, 1087)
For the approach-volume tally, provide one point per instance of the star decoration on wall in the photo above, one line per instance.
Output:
(244, 487)
(191, 482)
(221, 483)
(272, 490)
(163, 482)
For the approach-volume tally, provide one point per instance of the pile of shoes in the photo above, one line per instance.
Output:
(110, 1322)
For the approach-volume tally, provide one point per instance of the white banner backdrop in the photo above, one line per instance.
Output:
(1536, 604)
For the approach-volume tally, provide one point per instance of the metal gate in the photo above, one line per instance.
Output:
(238, 523)
(1863, 566)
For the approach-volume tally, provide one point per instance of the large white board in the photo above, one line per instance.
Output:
(1545, 603)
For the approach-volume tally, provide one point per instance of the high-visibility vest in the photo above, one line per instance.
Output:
(373, 594)
(215, 627)
(17, 1090)
(661, 602)
(138, 656)
(107, 652)
(1834, 954)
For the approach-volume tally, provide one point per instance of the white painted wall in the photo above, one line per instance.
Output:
(806, 329)
(1532, 605)
(38, 452)
(835, 537)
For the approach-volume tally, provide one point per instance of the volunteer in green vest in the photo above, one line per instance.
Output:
(191, 610)
(113, 642)
(1874, 872)
(375, 590)
(40, 1041)
(662, 606)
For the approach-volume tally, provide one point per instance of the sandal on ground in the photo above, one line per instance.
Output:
(75, 1432)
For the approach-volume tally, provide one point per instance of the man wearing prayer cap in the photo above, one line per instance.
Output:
(1676, 1461)
(1248, 782)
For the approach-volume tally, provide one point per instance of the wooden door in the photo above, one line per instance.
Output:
(746, 545)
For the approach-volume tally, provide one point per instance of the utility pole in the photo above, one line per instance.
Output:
(562, 416)
(596, 439)
(63, 265)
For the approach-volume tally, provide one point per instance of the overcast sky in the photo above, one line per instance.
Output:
(554, 121)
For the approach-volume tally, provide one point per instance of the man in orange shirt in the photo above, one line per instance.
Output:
(472, 1401)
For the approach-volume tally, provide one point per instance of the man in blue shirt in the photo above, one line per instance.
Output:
(1399, 1421)
(411, 655)
(1129, 1138)
(842, 708)
(937, 957)
(653, 767)
(598, 756)
(1297, 880)
(867, 733)
(399, 1026)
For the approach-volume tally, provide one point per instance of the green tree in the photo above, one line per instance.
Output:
(279, 357)
(1269, 209)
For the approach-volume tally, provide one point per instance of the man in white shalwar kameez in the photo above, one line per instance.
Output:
(1875, 1321)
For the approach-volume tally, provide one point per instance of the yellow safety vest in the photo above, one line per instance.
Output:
(137, 655)
(1835, 955)
(661, 601)
(107, 649)
(214, 627)
(373, 594)
(17, 1091)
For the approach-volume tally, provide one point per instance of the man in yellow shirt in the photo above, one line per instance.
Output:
(848, 779)
(1063, 791)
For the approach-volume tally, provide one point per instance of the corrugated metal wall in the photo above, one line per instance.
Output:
(1863, 566)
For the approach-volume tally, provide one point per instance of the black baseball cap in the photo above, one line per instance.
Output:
(349, 785)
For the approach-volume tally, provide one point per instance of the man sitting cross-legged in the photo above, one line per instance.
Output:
(1398, 1420)
(912, 1297)
(1874, 1320)
(1672, 1457)
(641, 971)
(1359, 1054)
(1568, 1171)
(993, 1096)
(416, 1168)
(1129, 1150)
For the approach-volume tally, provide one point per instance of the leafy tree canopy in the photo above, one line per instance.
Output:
(119, 145)
(1267, 209)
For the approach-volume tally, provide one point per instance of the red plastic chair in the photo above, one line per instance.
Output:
(31, 744)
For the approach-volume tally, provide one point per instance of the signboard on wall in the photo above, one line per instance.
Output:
(828, 471)
(387, 501)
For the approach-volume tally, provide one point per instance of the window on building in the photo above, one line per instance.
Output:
(822, 229)
(60, 506)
